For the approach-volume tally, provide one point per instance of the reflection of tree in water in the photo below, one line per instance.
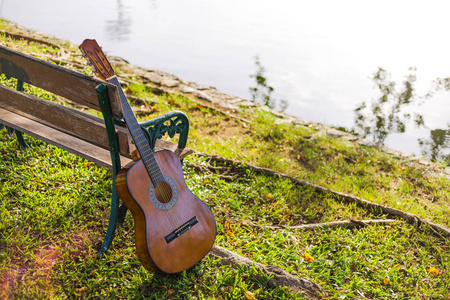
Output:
(262, 92)
(120, 28)
(435, 147)
(386, 115)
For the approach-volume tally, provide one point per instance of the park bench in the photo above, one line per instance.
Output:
(104, 141)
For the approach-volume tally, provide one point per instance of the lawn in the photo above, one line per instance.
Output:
(55, 208)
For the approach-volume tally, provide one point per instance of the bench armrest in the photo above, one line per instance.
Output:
(173, 122)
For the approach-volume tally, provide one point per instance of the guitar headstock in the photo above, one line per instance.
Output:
(92, 51)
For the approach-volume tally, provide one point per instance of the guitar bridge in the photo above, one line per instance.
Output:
(182, 229)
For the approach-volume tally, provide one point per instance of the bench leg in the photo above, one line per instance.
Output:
(19, 136)
(10, 130)
(112, 223)
(21, 140)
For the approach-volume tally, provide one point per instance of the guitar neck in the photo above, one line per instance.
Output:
(138, 136)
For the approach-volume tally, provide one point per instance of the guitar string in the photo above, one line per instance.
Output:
(148, 166)
(165, 193)
(168, 191)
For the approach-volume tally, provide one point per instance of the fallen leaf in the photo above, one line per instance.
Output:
(386, 281)
(433, 271)
(308, 257)
(250, 295)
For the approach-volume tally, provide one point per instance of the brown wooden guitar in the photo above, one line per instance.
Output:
(173, 228)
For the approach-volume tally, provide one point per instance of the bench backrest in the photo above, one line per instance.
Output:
(71, 85)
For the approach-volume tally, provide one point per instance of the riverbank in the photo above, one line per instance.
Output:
(207, 95)
(259, 213)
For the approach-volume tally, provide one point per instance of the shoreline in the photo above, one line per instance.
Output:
(208, 96)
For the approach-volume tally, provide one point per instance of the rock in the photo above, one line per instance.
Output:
(170, 82)
(298, 121)
(228, 105)
(153, 77)
(247, 103)
(365, 142)
(186, 89)
(424, 162)
(351, 138)
(235, 100)
(279, 113)
(335, 133)
(201, 87)
(204, 96)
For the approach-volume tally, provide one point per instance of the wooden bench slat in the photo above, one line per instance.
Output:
(69, 84)
(69, 120)
(67, 142)
(58, 138)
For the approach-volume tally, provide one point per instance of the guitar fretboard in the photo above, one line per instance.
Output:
(137, 134)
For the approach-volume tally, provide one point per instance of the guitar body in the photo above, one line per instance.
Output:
(173, 236)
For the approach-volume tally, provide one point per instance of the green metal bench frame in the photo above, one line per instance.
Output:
(171, 123)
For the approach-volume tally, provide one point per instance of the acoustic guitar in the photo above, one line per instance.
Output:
(174, 229)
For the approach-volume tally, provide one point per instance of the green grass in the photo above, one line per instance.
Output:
(54, 211)
(295, 150)
(54, 214)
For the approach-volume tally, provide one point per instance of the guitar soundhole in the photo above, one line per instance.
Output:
(163, 192)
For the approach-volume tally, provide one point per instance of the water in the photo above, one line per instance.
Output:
(318, 55)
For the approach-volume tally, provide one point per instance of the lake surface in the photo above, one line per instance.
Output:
(318, 55)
